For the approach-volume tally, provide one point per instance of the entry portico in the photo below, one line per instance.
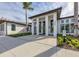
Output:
(45, 23)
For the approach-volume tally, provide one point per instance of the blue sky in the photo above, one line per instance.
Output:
(14, 10)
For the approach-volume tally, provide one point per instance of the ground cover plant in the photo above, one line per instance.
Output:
(71, 42)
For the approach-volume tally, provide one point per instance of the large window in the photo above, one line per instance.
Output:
(67, 28)
(1, 27)
(34, 27)
(43, 27)
(72, 28)
(13, 27)
(62, 27)
(62, 21)
(67, 25)
(67, 20)
(51, 26)
(40, 27)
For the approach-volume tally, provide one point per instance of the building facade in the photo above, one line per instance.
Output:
(50, 23)
(11, 27)
(45, 23)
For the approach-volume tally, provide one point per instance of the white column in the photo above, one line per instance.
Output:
(32, 27)
(37, 26)
(55, 24)
(46, 25)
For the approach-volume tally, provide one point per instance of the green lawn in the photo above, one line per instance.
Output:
(20, 34)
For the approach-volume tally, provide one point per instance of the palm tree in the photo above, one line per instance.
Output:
(27, 6)
(76, 18)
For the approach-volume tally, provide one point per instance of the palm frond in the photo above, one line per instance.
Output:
(26, 5)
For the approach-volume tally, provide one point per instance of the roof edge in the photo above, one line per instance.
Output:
(54, 10)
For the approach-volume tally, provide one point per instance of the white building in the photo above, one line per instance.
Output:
(11, 27)
(50, 23)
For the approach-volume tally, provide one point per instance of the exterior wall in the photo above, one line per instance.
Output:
(19, 28)
(47, 23)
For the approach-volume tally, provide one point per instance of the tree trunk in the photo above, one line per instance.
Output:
(76, 18)
(26, 18)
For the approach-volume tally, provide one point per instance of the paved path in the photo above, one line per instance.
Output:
(32, 46)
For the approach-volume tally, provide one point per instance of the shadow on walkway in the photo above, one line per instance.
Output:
(49, 52)
(7, 43)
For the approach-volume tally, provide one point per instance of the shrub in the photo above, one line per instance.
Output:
(69, 37)
(70, 44)
(74, 42)
(20, 34)
(77, 46)
(70, 40)
(67, 41)
(59, 34)
(60, 41)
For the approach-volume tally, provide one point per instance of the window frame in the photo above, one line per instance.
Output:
(13, 27)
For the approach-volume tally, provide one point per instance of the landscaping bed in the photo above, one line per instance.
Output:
(20, 34)
(71, 42)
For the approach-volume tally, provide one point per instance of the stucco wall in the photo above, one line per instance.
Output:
(19, 28)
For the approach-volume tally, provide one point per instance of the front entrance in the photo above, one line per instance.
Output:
(42, 28)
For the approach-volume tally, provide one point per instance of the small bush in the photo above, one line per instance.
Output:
(77, 46)
(70, 40)
(69, 37)
(74, 42)
(60, 41)
(59, 34)
(70, 44)
(67, 41)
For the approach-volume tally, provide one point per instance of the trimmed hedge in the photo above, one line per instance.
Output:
(20, 34)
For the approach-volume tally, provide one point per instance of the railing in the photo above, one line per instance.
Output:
(2, 33)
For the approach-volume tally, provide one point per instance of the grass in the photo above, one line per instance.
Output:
(20, 34)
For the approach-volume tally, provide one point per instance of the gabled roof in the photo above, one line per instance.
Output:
(54, 10)
(5, 20)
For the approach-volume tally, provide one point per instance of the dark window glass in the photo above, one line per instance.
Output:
(62, 27)
(67, 28)
(43, 27)
(72, 28)
(13, 27)
(67, 20)
(62, 21)
(34, 27)
(51, 25)
(2, 27)
(40, 27)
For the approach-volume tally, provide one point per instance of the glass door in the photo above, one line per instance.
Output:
(43, 27)
(51, 26)
(35, 28)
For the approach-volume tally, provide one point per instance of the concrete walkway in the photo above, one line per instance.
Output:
(32, 46)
